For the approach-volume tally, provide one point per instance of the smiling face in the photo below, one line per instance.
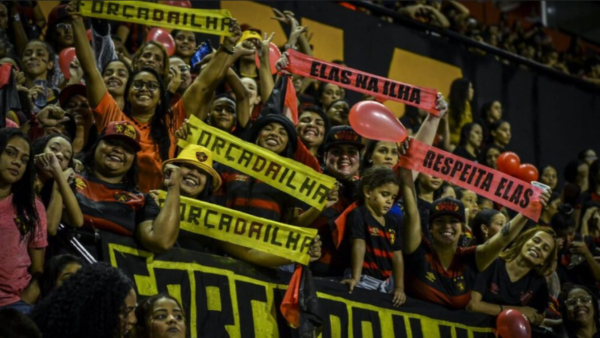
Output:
(193, 180)
(311, 129)
(36, 60)
(64, 35)
(186, 75)
(62, 149)
(127, 314)
(167, 320)
(385, 153)
(381, 199)
(446, 230)
(222, 114)
(115, 77)
(273, 137)
(113, 158)
(144, 92)
(580, 307)
(342, 161)
(469, 199)
(13, 161)
(152, 56)
(538, 248)
(338, 114)
(185, 43)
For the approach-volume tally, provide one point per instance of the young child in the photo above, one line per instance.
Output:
(376, 260)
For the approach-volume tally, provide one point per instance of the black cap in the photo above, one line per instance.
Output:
(277, 118)
(339, 135)
(447, 206)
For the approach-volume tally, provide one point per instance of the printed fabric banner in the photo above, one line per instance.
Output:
(489, 183)
(362, 82)
(207, 21)
(236, 227)
(287, 175)
(223, 297)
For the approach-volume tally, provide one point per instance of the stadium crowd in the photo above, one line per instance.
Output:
(89, 151)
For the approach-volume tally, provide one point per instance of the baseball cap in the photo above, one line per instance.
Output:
(124, 131)
(69, 91)
(339, 135)
(199, 157)
(447, 206)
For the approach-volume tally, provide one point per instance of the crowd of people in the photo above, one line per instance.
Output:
(533, 43)
(89, 150)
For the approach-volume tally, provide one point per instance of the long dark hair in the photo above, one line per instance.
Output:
(23, 199)
(162, 120)
(87, 305)
(40, 144)
(130, 176)
(570, 327)
(465, 133)
(144, 312)
(366, 162)
(459, 95)
(53, 269)
(593, 176)
(483, 217)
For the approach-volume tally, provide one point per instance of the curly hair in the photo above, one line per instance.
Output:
(568, 325)
(23, 199)
(144, 311)
(89, 304)
(514, 250)
(374, 178)
(165, 62)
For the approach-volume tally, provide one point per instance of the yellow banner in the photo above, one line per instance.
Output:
(236, 227)
(210, 21)
(287, 175)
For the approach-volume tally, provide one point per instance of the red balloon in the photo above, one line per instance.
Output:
(508, 163)
(162, 36)
(274, 55)
(375, 121)
(184, 4)
(512, 324)
(65, 58)
(528, 173)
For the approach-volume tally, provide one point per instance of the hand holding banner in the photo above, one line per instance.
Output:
(196, 20)
(362, 82)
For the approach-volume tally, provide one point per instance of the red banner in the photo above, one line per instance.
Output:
(489, 183)
(362, 82)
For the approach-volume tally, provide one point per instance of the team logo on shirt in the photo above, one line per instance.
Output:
(80, 184)
(201, 156)
(373, 231)
(122, 197)
(526, 297)
(22, 226)
(430, 276)
(460, 283)
(494, 288)
(392, 236)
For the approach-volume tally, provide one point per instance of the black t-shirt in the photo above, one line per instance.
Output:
(380, 240)
(462, 152)
(581, 274)
(495, 286)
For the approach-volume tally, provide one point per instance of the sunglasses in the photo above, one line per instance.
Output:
(151, 85)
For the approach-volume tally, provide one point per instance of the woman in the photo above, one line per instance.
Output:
(588, 156)
(58, 270)
(185, 44)
(312, 127)
(116, 75)
(255, 99)
(23, 224)
(152, 54)
(429, 189)
(516, 279)
(490, 113)
(440, 271)
(198, 181)
(38, 67)
(98, 301)
(160, 316)
(327, 94)
(486, 224)
(469, 199)
(337, 111)
(54, 160)
(380, 153)
(471, 136)
(461, 95)
(549, 177)
(146, 103)
(500, 132)
(580, 313)
(109, 200)
(489, 156)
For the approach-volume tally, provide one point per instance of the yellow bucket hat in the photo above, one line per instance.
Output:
(199, 157)
(248, 34)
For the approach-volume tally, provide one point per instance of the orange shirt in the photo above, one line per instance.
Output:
(150, 175)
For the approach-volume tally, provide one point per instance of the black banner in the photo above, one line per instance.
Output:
(223, 297)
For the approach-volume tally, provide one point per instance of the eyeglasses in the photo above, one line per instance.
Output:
(572, 302)
(151, 85)
(64, 26)
(183, 68)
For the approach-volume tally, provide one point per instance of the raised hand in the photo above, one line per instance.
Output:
(172, 176)
(315, 249)
(51, 116)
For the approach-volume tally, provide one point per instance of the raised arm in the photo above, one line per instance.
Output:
(96, 89)
(487, 252)
(266, 78)
(429, 128)
(412, 221)
(160, 235)
(242, 97)
(197, 97)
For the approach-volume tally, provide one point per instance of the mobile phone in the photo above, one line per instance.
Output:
(204, 49)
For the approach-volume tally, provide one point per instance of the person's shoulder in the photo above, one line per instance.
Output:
(466, 251)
